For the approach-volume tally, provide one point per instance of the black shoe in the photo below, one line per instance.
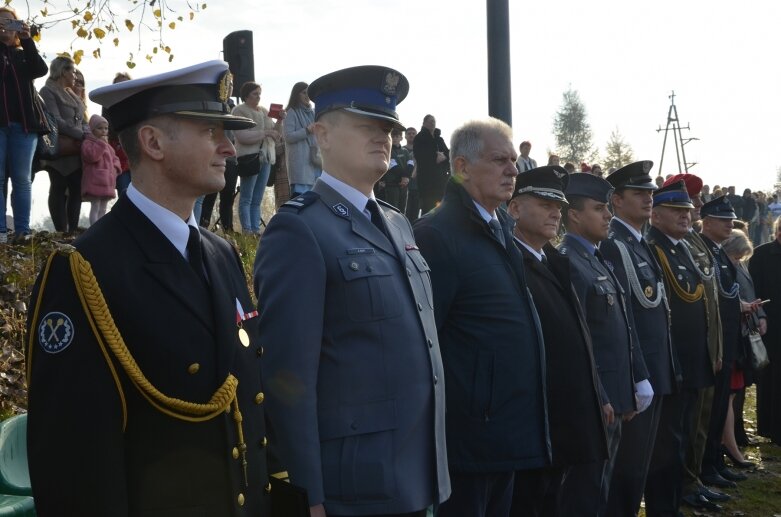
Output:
(731, 475)
(736, 462)
(699, 502)
(717, 480)
(712, 495)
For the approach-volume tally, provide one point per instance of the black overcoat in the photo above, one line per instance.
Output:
(577, 431)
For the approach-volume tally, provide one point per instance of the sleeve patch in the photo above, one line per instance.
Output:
(55, 332)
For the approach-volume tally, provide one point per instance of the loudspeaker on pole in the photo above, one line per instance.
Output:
(238, 52)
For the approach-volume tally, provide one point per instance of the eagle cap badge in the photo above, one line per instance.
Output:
(390, 83)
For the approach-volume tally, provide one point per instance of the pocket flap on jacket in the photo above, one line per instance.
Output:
(344, 421)
(362, 266)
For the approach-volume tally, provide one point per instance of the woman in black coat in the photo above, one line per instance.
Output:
(765, 269)
(20, 118)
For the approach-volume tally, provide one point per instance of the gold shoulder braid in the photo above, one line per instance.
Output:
(682, 293)
(103, 326)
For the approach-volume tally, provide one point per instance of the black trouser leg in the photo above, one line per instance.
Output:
(73, 201)
(227, 196)
(713, 458)
(57, 187)
(663, 485)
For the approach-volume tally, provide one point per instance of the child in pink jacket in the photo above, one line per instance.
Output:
(100, 166)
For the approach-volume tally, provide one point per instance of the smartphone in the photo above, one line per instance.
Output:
(13, 25)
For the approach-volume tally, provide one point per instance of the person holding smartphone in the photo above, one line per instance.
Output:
(20, 118)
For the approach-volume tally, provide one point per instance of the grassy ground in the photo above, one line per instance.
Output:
(760, 494)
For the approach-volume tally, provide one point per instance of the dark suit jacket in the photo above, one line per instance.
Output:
(602, 299)
(651, 326)
(355, 380)
(490, 338)
(688, 321)
(577, 432)
(87, 455)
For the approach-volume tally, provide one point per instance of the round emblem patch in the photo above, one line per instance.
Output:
(55, 332)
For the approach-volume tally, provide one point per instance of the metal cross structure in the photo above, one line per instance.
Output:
(674, 125)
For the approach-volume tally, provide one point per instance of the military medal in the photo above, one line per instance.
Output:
(649, 291)
(243, 336)
(241, 316)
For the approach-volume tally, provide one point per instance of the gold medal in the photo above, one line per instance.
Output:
(649, 291)
(243, 337)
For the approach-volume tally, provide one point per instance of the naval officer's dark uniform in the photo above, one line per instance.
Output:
(98, 443)
(355, 379)
(145, 395)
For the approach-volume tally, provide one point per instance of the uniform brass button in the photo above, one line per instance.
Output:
(240, 500)
(420, 307)
(369, 269)
(193, 368)
(264, 442)
(430, 343)
(354, 266)
(268, 488)
(259, 398)
(235, 453)
(260, 351)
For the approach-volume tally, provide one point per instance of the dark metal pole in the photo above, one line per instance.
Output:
(500, 103)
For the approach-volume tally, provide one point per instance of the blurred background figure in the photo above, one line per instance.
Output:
(302, 155)
(261, 141)
(20, 120)
(65, 172)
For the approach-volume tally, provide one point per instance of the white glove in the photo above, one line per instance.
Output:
(644, 394)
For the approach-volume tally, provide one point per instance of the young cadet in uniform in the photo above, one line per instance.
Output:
(355, 380)
(670, 220)
(619, 360)
(717, 216)
(143, 360)
(635, 267)
(577, 431)
(695, 493)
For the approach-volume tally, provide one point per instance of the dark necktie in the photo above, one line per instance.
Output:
(544, 260)
(195, 253)
(496, 229)
(377, 218)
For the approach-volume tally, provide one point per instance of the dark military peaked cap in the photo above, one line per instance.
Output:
(673, 195)
(199, 92)
(720, 208)
(546, 182)
(590, 186)
(635, 175)
(371, 91)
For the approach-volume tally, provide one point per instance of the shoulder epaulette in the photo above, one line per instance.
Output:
(387, 205)
(300, 202)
